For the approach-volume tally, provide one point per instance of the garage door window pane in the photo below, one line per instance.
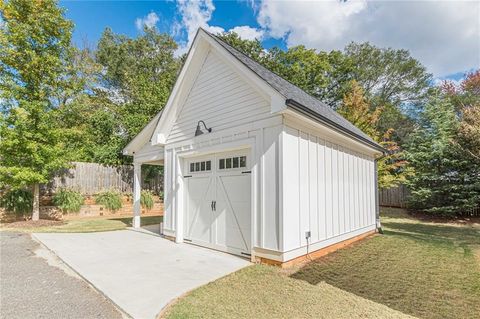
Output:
(222, 163)
(209, 165)
(228, 163)
(197, 166)
(235, 162)
(202, 164)
(192, 167)
(243, 161)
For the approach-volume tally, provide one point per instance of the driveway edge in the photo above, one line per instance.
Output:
(124, 314)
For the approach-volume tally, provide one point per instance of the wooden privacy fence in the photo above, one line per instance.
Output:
(92, 178)
(393, 197)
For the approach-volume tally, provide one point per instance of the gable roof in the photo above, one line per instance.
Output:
(297, 98)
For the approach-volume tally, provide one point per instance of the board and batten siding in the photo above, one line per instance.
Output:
(328, 189)
(265, 165)
(221, 98)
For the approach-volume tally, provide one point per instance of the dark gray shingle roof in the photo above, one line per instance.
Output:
(297, 98)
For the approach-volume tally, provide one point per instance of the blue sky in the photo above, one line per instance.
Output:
(444, 36)
(92, 17)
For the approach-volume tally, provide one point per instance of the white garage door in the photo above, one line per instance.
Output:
(218, 202)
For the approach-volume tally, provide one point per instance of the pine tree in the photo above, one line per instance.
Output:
(446, 181)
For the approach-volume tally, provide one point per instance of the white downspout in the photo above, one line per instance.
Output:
(377, 202)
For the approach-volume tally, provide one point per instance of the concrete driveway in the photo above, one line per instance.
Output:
(139, 271)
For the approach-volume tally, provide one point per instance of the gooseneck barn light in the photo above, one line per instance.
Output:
(199, 131)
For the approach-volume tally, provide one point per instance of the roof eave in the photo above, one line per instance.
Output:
(318, 117)
(145, 135)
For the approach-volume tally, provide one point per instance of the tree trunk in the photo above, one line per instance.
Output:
(36, 202)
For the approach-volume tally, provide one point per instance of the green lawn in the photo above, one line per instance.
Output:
(428, 270)
(265, 292)
(86, 225)
(422, 269)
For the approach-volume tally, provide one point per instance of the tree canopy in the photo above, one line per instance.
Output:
(35, 72)
(392, 168)
(134, 77)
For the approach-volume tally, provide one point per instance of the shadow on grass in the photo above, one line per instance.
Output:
(434, 233)
(145, 220)
(423, 269)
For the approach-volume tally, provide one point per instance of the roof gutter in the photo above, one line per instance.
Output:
(315, 116)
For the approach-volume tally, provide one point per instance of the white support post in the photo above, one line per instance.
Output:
(178, 181)
(137, 185)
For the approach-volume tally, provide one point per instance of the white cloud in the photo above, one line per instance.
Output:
(444, 36)
(150, 20)
(196, 14)
(248, 33)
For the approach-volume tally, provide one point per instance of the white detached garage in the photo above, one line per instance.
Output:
(253, 165)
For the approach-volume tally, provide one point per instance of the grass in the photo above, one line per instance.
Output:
(427, 270)
(265, 292)
(86, 225)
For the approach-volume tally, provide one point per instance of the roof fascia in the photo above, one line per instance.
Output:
(325, 121)
(142, 137)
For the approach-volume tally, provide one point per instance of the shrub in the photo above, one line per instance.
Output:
(146, 199)
(111, 200)
(18, 202)
(69, 201)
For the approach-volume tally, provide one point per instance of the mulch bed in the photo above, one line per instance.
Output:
(32, 224)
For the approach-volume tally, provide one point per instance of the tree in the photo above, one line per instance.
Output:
(34, 71)
(252, 48)
(466, 99)
(446, 180)
(466, 94)
(392, 168)
(388, 75)
(136, 80)
(468, 138)
(75, 111)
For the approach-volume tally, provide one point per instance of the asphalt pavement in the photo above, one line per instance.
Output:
(36, 287)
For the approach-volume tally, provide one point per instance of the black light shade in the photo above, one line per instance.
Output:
(199, 131)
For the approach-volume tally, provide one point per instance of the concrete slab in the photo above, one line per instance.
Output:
(139, 271)
(152, 228)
